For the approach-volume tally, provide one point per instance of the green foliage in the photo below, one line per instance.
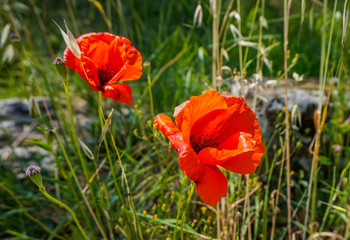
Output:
(135, 169)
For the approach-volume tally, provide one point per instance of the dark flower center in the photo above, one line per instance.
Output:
(203, 140)
(104, 74)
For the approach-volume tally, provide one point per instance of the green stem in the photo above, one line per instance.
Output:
(215, 50)
(287, 4)
(150, 89)
(111, 165)
(250, 32)
(28, 214)
(240, 51)
(76, 180)
(74, 135)
(185, 210)
(136, 223)
(42, 189)
(77, 148)
(179, 207)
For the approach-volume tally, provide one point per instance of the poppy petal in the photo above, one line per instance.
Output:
(89, 72)
(188, 159)
(93, 45)
(85, 67)
(169, 129)
(242, 164)
(96, 46)
(198, 107)
(179, 112)
(119, 92)
(72, 61)
(242, 119)
(127, 60)
(189, 163)
(209, 124)
(233, 100)
(239, 144)
(212, 185)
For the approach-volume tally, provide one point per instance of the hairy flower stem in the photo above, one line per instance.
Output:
(77, 148)
(42, 189)
(74, 135)
(111, 164)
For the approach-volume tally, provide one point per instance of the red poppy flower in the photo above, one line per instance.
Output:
(213, 129)
(105, 60)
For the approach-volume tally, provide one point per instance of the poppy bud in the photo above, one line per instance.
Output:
(33, 172)
(50, 132)
(15, 37)
(50, 135)
(146, 64)
(61, 67)
(147, 67)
